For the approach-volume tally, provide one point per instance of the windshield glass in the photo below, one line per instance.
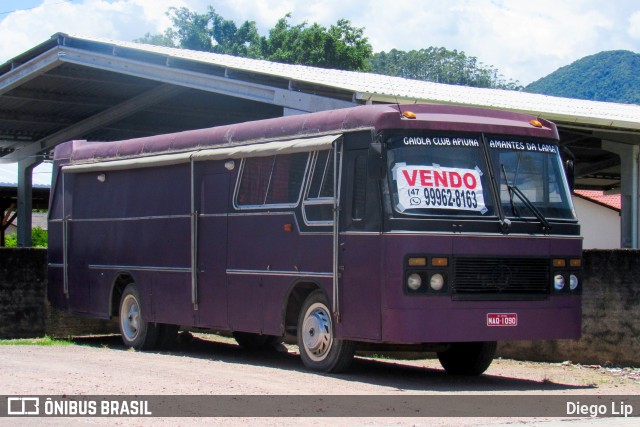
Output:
(439, 174)
(532, 166)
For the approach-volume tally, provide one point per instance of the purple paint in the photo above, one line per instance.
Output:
(253, 265)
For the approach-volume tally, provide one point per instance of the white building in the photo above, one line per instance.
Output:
(599, 217)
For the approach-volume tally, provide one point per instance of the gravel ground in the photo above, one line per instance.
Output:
(212, 365)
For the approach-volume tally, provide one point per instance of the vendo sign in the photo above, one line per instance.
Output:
(436, 187)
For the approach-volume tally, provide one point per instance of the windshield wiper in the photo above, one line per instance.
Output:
(510, 191)
(513, 189)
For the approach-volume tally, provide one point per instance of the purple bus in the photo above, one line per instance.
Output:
(403, 227)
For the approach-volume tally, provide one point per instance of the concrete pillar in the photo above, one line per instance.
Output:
(25, 202)
(629, 218)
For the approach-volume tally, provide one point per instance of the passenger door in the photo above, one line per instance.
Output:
(360, 261)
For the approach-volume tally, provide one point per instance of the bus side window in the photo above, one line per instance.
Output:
(359, 188)
(254, 181)
(271, 181)
(318, 203)
(286, 179)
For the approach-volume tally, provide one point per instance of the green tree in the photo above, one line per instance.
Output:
(208, 32)
(165, 39)
(437, 64)
(340, 46)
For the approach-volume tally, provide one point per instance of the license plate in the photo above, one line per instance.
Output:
(502, 319)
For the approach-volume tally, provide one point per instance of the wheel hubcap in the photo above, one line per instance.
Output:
(130, 317)
(316, 332)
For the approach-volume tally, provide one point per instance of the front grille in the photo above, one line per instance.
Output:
(500, 278)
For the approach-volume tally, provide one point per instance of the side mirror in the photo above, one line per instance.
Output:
(375, 162)
(569, 170)
(569, 161)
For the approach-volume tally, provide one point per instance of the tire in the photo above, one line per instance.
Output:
(468, 358)
(256, 342)
(136, 332)
(319, 349)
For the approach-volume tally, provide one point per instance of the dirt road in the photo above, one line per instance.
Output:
(206, 366)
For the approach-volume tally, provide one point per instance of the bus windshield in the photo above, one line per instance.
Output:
(530, 173)
(448, 175)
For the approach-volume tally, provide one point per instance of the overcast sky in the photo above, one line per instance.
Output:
(524, 40)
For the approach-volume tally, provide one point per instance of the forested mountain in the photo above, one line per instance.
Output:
(607, 76)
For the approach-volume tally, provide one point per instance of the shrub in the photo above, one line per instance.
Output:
(39, 238)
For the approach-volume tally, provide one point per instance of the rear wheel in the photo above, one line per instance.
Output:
(319, 349)
(468, 358)
(136, 332)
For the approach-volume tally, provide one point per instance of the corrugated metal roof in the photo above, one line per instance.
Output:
(377, 87)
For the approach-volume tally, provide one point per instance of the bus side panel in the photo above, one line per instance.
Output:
(78, 275)
(153, 251)
(360, 307)
(264, 260)
(213, 207)
(212, 280)
(55, 287)
(245, 303)
(136, 222)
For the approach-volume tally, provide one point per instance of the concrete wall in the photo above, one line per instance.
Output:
(24, 311)
(611, 309)
(23, 278)
(610, 316)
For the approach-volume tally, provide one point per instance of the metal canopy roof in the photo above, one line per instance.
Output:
(72, 87)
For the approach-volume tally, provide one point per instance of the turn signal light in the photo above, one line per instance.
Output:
(559, 262)
(575, 262)
(418, 262)
(439, 262)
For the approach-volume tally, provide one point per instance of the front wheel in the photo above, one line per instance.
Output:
(468, 358)
(319, 349)
(136, 332)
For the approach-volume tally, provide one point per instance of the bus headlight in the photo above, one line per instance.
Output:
(558, 282)
(573, 282)
(436, 282)
(414, 281)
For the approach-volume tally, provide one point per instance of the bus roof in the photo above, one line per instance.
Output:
(300, 132)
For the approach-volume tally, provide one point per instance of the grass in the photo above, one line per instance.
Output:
(46, 340)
